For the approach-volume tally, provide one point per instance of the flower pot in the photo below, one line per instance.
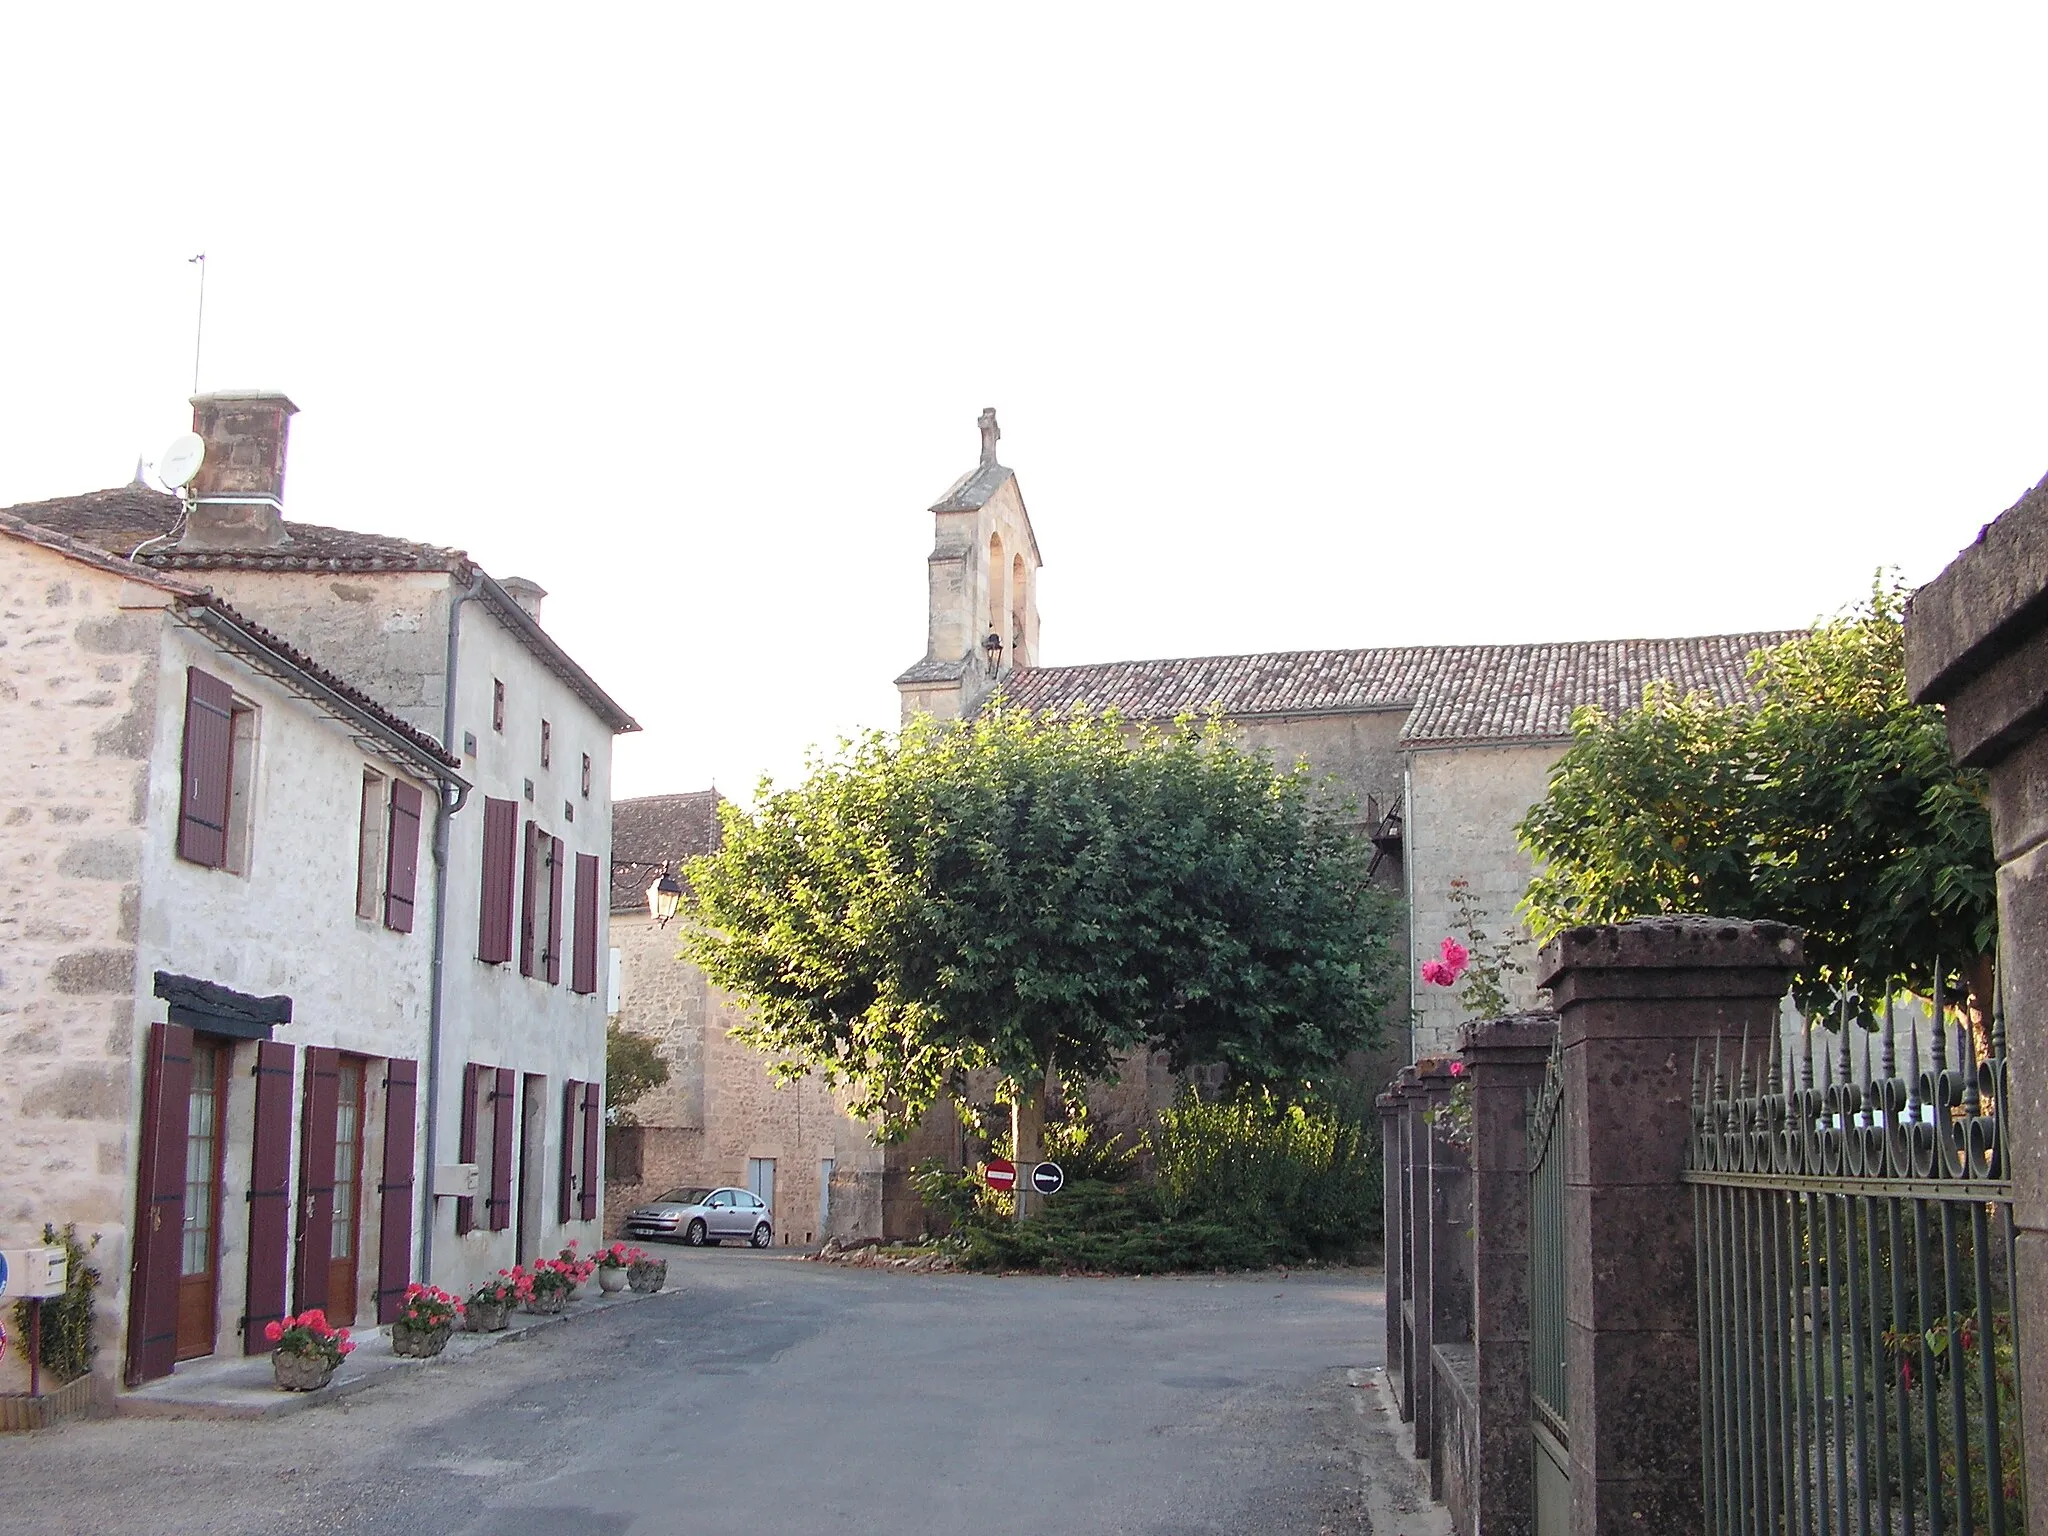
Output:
(487, 1317)
(648, 1275)
(553, 1301)
(611, 1279)
(419, 1343)
(301, 1373)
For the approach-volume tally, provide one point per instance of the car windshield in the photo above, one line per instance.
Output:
(685, 1197)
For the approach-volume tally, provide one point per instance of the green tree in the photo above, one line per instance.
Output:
(1029, 893)
(1829, 802)
(633, 1068)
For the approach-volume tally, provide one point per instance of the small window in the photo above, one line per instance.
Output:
(242, 787)
(547, 744)
(586, 775)
(497, 705)
(370, 846)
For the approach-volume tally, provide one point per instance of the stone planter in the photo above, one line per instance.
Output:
(611, 1279)
(486, 1317)
(554, 1301)
(648, 1275)
(413, 1343)
(301, 1373)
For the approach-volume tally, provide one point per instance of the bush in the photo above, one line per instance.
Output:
(68, 1323)
(1240, 1185)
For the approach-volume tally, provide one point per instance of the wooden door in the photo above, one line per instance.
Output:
(199, 1266)
(346, 1252)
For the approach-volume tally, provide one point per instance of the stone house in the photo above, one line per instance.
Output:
(720, 1118)
(217, 970)
(511, 879)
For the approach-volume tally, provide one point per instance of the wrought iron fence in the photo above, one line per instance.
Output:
(1858, 1343)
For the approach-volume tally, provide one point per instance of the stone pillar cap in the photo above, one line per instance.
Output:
(1512, 1032)
(1674, 942)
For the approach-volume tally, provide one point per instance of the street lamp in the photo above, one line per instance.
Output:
(992, 648)
(664, 899)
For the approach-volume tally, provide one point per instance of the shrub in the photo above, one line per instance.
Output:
(68, 1324)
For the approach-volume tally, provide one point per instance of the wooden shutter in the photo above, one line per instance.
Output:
(465, 1206)
(572, 1111)
(394, 1190)
(529, 898)
(209, 769)
(270, 1194)
(159, 1244)
(402, 868)
(583, 973)
(503, 1123)
(593, 1140)
(317, 1127)
(555, 871)
(501, 869)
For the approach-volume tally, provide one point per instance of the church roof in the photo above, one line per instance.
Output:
(1454, 694)
(971, 492)
(125, 517)
(653, 833)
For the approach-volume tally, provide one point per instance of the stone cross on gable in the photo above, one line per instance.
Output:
(989, 433)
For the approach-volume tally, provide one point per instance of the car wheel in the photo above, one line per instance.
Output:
(695, 1236)
(762, 1236)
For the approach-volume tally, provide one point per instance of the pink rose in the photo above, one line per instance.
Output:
(1457, 1069)
(1456, 956)
(1437, 974)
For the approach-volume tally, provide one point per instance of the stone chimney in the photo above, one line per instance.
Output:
(527, 594)
(239, 490)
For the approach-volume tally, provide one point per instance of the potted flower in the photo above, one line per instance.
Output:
(645, 1273)
(613, 1264)
(421, 1329)
(578, 1267)
(492, 1304)
(551, 1284)
(308, 1350)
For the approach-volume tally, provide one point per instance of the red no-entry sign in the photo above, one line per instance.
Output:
(1001, 1174)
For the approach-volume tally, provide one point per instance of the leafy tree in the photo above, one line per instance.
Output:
(1025, 893)
(1830, 802)
(633, 1068)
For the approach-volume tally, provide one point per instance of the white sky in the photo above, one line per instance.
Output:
(1307, 327)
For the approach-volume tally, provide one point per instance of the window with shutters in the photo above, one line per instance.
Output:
(500, 878)
(547, 744)
(402, 867)
(586, 775)
(217, 792)
(583, 966)
(484, 1084)
(497, 705)
(540, 929)
(370, 840)
(241, 787)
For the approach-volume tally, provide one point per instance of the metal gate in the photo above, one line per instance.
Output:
(1549, 1415)
(1858, 1343)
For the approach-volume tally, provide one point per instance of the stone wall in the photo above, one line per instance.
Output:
(78, 686)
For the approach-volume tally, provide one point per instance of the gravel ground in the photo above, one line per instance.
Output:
(763, 1395)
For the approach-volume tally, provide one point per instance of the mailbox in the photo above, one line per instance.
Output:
(34, 1272)
(456, 1180)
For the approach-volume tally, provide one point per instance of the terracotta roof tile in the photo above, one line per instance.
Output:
(1453, 694)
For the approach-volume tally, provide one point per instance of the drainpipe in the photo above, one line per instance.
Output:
(429, 1209)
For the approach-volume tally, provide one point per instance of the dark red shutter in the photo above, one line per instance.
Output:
(555, 873)
(465, 1148)
(503, 1122)
(501, 870)
(583, 974)
(394, 1191)
(270, 1194)
(317, 1126)
(593, 1142)
(529, 897)
(209, 769)
(159, 1243)
(402, 869)
(572, 1108)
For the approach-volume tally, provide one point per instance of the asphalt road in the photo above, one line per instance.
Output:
(765, 1395)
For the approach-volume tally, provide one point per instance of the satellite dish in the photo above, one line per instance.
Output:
(181, 460)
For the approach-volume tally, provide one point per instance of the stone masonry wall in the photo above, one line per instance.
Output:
(78, 683)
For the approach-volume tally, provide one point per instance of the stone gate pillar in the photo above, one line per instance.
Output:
(1635, 1001)
(1505, 1060)
(1394, 1226)
(1977, 644)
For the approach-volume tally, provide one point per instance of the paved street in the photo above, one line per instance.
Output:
(768, 1395)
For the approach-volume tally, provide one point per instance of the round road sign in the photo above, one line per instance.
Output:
(1000, 1174)
(1048, 1178)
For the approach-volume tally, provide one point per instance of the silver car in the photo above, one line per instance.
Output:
(700, 1215)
